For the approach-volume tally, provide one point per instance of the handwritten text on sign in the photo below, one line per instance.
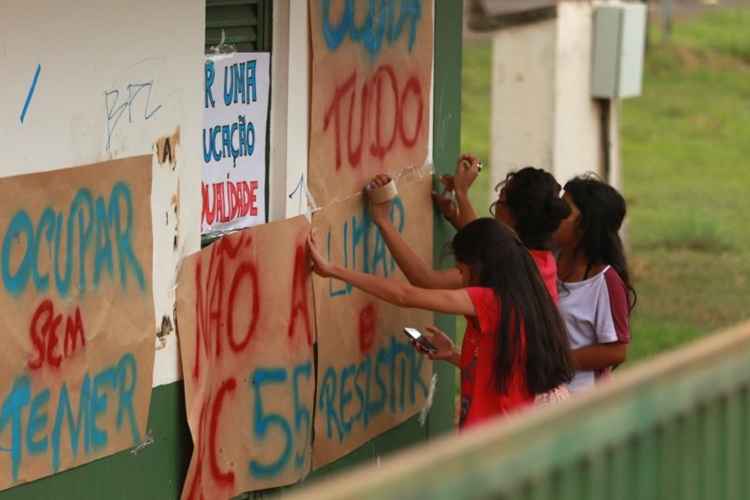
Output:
(245, 312)
(77, 313)
(369, 378)
(371, 79)
(235, 116)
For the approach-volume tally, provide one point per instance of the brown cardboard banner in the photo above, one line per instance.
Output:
(246, 329)
(76, 312)
(370, 92)
(370, 378)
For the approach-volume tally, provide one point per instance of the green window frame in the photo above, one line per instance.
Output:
(247, 24)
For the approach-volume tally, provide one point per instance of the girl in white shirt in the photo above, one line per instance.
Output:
(596, 295)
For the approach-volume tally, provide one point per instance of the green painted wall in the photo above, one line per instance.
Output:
(446, 149)
(158, 470)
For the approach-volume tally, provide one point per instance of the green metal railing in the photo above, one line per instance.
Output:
(676, 427)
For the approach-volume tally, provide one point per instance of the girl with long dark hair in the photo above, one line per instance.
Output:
(515, 346)
(528, 202)
(596, 293)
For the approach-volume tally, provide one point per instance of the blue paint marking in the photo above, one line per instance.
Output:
(357, 240)
(381, 23)
(231, 140)
(102, 228)
(37, 423)
(262, 422)
(31, 92)
(75, 425)
(353, 395)
(36, 420)
(19, 396)
(99, 404)
(239, 83)
(302, 415)
(209, 100)
(295, 429)
(125, 392)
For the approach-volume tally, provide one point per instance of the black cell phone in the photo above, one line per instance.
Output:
(417, 336)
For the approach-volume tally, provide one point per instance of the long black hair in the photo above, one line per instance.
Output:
(602, 212)
(532, 196)
(499, 260)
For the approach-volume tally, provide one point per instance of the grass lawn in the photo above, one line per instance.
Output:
(686, 157)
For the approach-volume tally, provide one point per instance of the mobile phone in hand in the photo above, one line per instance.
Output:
(417, 336)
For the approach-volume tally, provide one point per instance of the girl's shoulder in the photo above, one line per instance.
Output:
(606, 282)
(612, 277)
(486, 306)
(597, 275)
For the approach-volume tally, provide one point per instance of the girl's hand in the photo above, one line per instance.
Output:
(448, 183)
(466, 174)
(320, 265)
(380, 212)
(444, 201)
(445, 350)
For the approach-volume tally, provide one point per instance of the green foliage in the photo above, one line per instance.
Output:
(475, 113)
(685, 151)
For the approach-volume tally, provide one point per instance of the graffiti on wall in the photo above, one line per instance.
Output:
(369, 378)
(371, 86)
(245, 312)
(77, 305)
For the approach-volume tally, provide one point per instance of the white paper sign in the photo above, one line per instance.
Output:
(235, 117)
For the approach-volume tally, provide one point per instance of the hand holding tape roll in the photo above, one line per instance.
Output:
(379, 191)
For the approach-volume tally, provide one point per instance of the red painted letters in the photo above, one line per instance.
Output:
(384, 85)
(367, 323)
(215, 312)
(48, 347)
(230, 201)
(299, 294)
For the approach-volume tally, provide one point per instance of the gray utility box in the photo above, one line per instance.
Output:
(618, 49)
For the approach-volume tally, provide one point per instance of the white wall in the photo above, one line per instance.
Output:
(523, 93)
(89, 47)
(542, 110)
(578, 131)
(289, 99)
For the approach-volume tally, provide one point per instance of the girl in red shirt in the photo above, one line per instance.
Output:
(515, 346)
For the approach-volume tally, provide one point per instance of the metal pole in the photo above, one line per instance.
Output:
(666, 19)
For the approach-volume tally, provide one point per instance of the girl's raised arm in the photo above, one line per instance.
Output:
(414, 268)
(396, 292)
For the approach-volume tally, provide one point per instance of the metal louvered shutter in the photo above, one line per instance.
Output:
(246, 24)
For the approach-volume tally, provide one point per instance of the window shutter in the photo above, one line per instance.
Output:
(246, 24)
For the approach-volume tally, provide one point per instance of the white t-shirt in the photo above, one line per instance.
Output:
(595, 311)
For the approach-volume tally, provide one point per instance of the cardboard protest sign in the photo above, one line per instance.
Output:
(235, 118)
(245, 323)
(371, 89)
(369, 377)
(76, 312)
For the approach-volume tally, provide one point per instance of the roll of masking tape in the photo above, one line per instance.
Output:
(384, 193)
